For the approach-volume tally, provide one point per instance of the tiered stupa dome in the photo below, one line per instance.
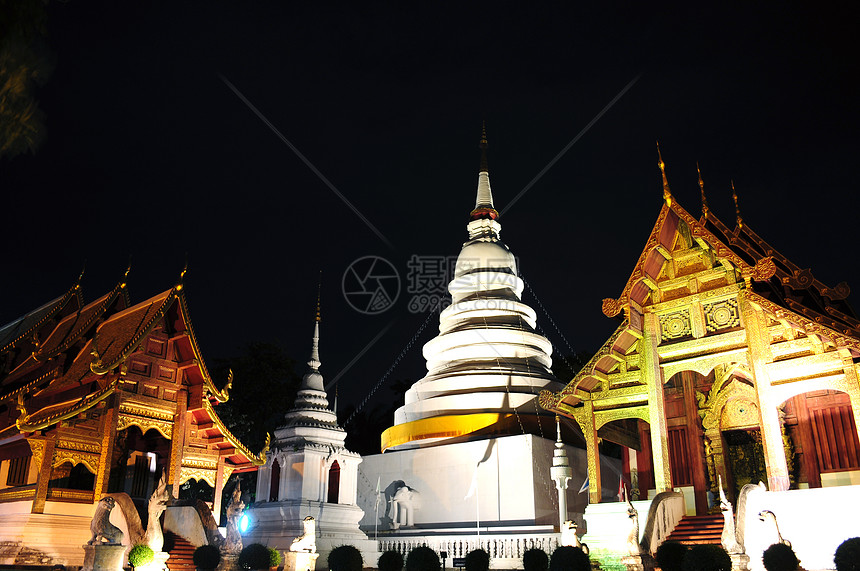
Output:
(488, 362)
(311, 419)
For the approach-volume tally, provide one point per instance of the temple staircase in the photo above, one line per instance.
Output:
(694, 530)
(181, 552)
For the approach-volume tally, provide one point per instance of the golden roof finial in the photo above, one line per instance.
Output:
(184, 271)
(667, 194)
(705, 209)
(740, 220)
(319, 292)
(483, 147)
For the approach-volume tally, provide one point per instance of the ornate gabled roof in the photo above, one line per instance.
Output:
(768, 273)
(68, 331)
(26, 326)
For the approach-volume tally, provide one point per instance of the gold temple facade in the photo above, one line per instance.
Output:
(730, 363)
(104, 397)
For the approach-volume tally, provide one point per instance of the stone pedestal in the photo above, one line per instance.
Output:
(103, 557)
(740, 561)
(300, 561)
(229, 562)
(643, 562)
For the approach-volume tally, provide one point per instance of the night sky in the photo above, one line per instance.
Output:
(149, 153)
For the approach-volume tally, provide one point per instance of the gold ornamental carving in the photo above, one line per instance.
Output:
(38, 448)
(146, 411)
(163, 426)
(75, 457)
(200, 474)
(675, 325)
(603, 417)
(764, 269)
(79, 445)
(721, 315)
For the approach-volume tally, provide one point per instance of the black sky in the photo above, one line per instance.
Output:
(149, 154)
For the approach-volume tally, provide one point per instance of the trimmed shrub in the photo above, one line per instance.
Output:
(422, 559)
(779, 557)
(274, 557)
(477, 560)
(569, 558)
(847, 556)
(345, 558)
(207, 557)
(707, 558)
(670, 555)
(535, 560)
(254, 556)
(390, 561)
(140, 555)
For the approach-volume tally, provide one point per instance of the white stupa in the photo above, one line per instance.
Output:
(487, 363)
(471, 448)
(309, 472)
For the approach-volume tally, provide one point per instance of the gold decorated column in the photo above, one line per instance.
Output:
(758, 343)
(649, 364)
(44, 474)
(585, 418)
(107, 442)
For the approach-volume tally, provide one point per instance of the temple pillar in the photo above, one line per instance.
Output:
(177, 442)
(219, 491)
(852, 388)
(44, 474)
(585, 418)
(109, 419)
(649, 364)
(758, 343)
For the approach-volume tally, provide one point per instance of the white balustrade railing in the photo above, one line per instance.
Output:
(499, 547)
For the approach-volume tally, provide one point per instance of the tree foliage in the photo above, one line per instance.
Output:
(23, 65)
(264, 389)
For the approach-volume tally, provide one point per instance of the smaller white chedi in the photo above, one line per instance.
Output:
(309, 473)
(487, 361)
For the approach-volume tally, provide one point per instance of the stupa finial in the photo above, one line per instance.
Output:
(483, 146)
(484, 201)
(740, 220)
(667, 194)
(319, 291)
(705, 209)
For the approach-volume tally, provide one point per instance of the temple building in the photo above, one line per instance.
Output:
(730, 363)
(470, 448)
(103, 397)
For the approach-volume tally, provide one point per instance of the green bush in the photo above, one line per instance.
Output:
(847, 556)
(422, 559)
(569, 558)
(345, 558)
(535, 560)
(140, 555)
(390, 561)
(477, 560)
(254, 556)
(670, 556)
(207, 557)
(707, 558)
(779, 557)
(274, 557)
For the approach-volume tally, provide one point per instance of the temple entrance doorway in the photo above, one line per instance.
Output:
(744, 458)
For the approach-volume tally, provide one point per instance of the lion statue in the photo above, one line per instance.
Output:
(104, 532)
(307, 541)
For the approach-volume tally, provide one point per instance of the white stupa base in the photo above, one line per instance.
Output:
(276, 524)
(513, 489)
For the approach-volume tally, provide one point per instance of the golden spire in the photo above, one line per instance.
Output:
(667, 194)
(705, 209)
(737, 208)
(483, 146)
